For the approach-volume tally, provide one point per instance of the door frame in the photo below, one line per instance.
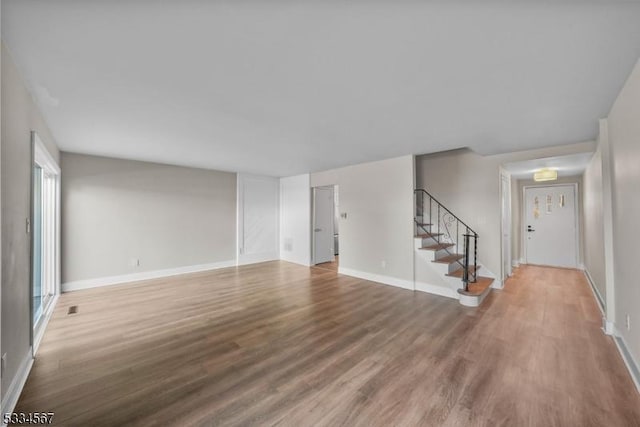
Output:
(313, 221)
(576, 207)
(42, 157)
(506, 220)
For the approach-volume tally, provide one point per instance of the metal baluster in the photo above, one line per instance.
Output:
(465, 267)
(430, 213)
(438, 238)
(475, 257)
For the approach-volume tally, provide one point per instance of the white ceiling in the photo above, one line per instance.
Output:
(286, 87)
(570, 165)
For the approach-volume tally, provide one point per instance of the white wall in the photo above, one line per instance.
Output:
(376, 238)
(116, 211)
(295, 219)
(592, 199)
(624, 140)
(20, 115)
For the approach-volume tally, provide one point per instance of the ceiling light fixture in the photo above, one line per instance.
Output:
(545, 175)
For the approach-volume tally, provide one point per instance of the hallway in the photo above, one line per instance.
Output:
(277, 343)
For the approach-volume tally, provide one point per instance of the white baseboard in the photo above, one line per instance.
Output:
(147, 275)
(437, 290)
(15, 388)
(515, 263)
(306, 263)
(632, 365)
(609, 328)
(385, 280)
(246, 259)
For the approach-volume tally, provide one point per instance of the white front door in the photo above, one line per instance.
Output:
(323, 216)
(550, 226)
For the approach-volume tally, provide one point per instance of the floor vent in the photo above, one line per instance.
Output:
(73, 309)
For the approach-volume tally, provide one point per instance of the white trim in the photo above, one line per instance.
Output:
(42, 156)
(505, 220)
(147, 275)
(44, 321)
(596, 292)
(632, 365)
(474, 300)
(385, 280)
(609, 328)
(497, 284)
(19, 380)
(437, 290)
(607, 217)
(256, 258)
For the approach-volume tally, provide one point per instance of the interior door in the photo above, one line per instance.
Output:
(550, 226)
(323, 213)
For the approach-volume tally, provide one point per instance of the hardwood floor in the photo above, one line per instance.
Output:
(280, 344)
(333, 265)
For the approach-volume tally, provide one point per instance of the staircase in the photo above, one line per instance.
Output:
(446, 251)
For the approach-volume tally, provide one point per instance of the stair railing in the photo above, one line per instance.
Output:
(434, 219)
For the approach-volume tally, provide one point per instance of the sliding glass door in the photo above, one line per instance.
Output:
(45, 237)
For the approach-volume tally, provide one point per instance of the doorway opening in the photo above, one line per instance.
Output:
(45, 238)
(546, 210)
(326, 233)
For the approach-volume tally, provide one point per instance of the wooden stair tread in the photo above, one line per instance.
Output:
(423, 224)
(438, 247)
(478, 287)
(449, 258)
(427, 235)
(458, 273)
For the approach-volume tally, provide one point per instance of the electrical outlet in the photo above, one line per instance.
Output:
(628, 322)
(134, 262)
(383, 264)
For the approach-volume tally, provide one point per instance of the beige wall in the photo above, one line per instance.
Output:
(594, 257)
(378, 200)
(469, 185)
(624, 140)
(518, 205)
(115, 211)
(20, 116)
